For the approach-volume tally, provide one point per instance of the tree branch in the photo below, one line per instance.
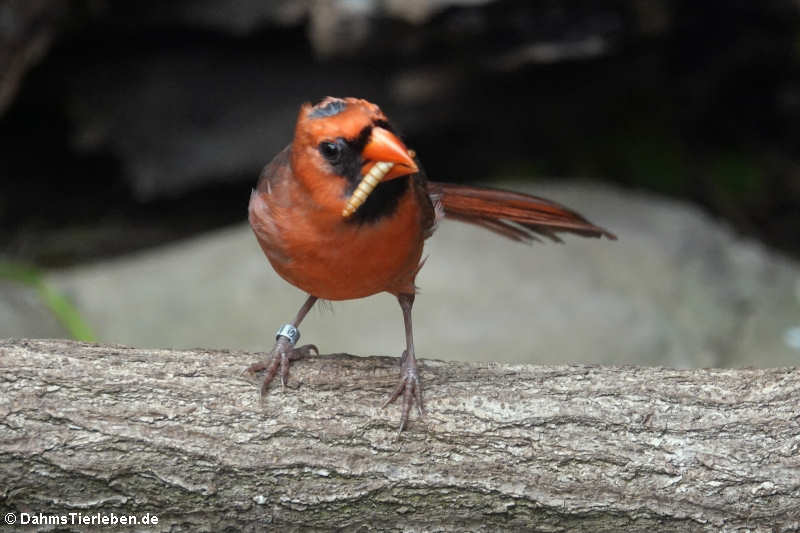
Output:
(180, 434)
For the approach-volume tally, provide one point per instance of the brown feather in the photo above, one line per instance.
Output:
(514, 215)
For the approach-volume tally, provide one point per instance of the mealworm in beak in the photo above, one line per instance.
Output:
(368, 183)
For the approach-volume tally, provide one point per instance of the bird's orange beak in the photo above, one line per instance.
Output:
(384, 146)
(386, 158)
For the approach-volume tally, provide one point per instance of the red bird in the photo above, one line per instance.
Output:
(343, 212)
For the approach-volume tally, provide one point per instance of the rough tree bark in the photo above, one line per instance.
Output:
(180, 434)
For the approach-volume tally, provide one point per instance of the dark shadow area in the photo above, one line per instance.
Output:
(142, 124)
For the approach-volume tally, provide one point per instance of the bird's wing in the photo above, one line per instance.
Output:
(275, 172)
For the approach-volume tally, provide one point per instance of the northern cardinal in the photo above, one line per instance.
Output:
(343, 213)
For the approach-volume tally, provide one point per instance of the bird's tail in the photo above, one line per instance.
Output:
(520, 217)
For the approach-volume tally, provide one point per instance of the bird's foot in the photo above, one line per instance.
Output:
(409, 387)
(282, 354)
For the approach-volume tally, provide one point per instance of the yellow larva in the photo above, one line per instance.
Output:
(368, 183)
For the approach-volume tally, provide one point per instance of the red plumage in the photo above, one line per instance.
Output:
(296, 213)
(514, 215)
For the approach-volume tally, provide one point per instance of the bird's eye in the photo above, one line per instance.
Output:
(331, 151)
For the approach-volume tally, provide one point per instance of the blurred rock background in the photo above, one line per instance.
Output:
(132, 133)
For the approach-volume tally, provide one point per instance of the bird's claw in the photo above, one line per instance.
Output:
(409, 387)
(279, 359)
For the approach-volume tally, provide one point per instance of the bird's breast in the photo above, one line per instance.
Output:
(334, 258)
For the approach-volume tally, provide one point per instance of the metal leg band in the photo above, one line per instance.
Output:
(290, 332)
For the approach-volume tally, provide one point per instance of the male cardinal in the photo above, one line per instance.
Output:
(343, 213)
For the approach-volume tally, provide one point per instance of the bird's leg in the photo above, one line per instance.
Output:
(409, 386)
(284, 351)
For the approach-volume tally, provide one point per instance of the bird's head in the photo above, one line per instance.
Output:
(340, 141)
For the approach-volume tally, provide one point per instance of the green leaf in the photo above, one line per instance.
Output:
(59, 305)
